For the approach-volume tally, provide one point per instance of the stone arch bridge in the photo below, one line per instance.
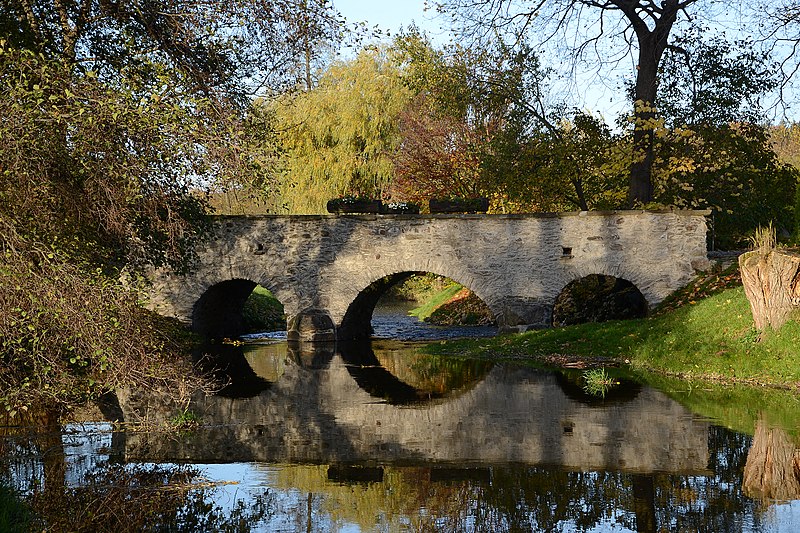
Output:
(329, 271)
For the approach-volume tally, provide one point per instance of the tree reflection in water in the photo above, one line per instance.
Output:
(484, 448)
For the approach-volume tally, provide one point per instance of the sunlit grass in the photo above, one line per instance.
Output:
(263, 312)
(713, 338)
(424, 311)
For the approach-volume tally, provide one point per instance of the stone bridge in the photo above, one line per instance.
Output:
(329, 271)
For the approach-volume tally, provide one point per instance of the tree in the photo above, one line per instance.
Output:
(116, 116)
(120, 108)
(711, 150)
(580, 164)
(582, 26)
(336, 139)
(468, 129)
(237, 47)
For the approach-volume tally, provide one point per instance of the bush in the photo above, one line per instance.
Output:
(70, 333)
(14, 513)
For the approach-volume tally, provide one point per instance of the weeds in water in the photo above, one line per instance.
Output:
(598, 382)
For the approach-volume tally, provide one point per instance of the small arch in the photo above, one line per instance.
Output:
(357, 321)
(218, 313)
(597, 298)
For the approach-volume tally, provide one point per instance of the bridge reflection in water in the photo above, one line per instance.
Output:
(347, 406)
(362, 437)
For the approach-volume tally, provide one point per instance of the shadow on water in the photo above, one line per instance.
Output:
(367, 371)
(229, 370)
(429, 378)
(246, 371)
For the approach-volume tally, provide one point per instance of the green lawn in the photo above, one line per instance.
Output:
(709, 339)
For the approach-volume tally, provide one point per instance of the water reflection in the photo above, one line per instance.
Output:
(382, 438)
(351, 405)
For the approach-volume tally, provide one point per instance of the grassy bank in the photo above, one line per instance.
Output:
(435, 301)
(263, 312)
(442, 301)
(710, 339)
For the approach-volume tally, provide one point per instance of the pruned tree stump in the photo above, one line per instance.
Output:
(772, 284)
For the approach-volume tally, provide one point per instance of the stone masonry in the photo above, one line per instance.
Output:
(318, 265)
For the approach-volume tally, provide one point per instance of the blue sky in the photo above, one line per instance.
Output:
(391, 15)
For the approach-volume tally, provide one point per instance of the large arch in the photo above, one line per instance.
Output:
(356, 322)
(218, 312)
(597, 298)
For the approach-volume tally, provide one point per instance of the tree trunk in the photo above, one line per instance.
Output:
(640, 190)
(644, 114)
(644, 503)
(772, 285)
(652, 43)
(771, 471)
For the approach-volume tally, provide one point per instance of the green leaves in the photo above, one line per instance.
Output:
(336, 138)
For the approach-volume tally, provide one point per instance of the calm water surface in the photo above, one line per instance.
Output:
(378, 437)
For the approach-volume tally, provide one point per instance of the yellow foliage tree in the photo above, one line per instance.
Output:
(337, 137)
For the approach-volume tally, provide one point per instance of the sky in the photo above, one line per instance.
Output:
(391, 15)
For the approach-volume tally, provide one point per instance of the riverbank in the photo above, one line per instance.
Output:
(693, 337)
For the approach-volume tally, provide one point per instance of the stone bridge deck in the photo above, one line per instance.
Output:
(334, 268)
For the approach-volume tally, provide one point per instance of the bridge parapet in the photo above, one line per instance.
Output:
(517, 264)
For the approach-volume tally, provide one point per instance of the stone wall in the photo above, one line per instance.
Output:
(517, 264)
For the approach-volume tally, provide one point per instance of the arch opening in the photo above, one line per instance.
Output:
(598, 298)
(235, 307)
(401, 377)
(383, 307)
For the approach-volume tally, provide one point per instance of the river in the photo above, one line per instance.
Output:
(379, 437)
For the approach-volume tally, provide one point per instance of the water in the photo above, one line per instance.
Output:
(379, 437)
(391, 321)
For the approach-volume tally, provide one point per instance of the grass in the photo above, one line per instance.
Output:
(263, 312)
(426, 309)
(710, 339)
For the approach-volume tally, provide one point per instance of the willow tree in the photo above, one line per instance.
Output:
(336, 139)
